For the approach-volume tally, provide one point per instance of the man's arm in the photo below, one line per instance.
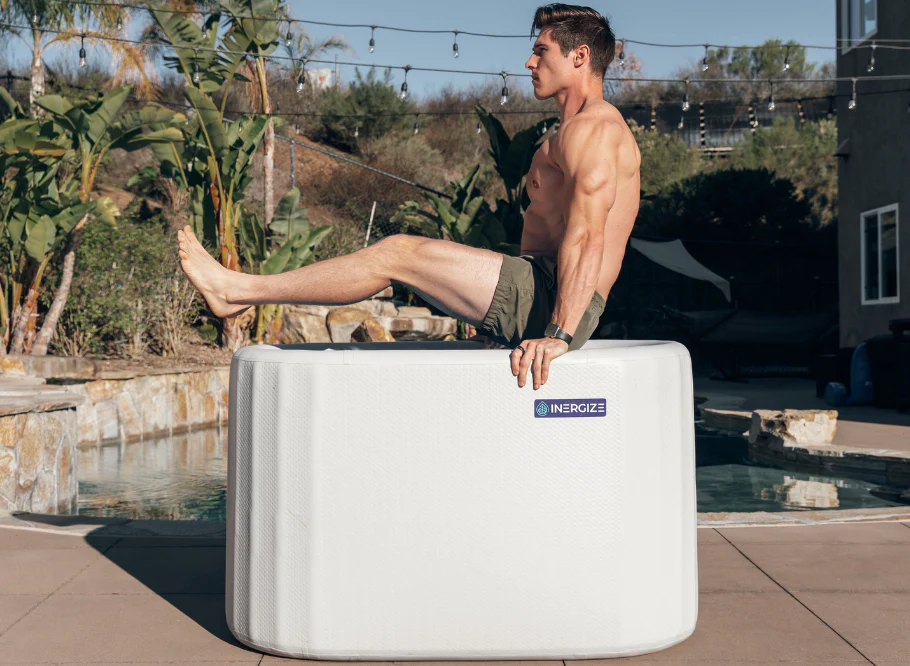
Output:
(588, 156)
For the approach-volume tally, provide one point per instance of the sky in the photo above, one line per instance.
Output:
(662, 21)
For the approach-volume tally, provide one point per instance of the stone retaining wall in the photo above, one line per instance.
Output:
(38, 455)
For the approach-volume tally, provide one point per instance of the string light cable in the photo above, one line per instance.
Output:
(893, 43)
(407, 68)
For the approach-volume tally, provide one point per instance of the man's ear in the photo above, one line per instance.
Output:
(582, 55)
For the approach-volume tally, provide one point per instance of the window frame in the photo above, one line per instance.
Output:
(845, 27)
(862, 256)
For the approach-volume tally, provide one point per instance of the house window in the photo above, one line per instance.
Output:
(859, 21)
(878, 251)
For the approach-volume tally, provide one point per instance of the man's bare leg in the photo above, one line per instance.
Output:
(457, 279)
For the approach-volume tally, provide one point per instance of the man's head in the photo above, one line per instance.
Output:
(573, 43)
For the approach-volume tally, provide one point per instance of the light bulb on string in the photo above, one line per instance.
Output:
(479, 128)
(681, 123)
(771, 104)
(119, 24)
(82, 53)
(356, 131)
(505, 90)
(830, 114)
(301, 79)
(543, 128)
(871, 64)
(372, 40)
(297, 127)
(852, 103)
(622, 54)
(455, 46)
(416, 123)
(685, 104)
(35, 19)
(404, 84)
(195, 66)
(787, 60)
(704, 62)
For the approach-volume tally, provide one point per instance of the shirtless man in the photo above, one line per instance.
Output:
(584, 191)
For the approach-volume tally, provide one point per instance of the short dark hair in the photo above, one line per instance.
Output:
(572, 25)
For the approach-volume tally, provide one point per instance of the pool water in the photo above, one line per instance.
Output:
(184, 477)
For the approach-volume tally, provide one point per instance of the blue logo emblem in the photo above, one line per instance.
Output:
(569, 407)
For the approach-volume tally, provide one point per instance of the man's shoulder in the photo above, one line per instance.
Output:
(602, 123)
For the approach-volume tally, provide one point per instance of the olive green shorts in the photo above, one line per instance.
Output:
(524, 300)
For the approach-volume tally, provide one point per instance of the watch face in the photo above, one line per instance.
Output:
(550, 329)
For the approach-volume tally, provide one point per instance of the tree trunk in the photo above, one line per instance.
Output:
(25, 323)
(37, 83)
(62, 293)
(268, 168)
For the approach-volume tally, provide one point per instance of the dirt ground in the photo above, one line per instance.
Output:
(194, 353)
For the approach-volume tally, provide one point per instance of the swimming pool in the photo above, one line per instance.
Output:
(183, 477)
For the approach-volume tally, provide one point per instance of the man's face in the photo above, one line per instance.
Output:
(550, 70)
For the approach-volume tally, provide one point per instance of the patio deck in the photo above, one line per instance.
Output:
(73, 591)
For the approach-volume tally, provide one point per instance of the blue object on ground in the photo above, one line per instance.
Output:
(860, 382)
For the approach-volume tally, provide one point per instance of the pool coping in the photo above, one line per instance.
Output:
(83, 526)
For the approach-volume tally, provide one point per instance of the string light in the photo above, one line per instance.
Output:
(681, 123)
(852, 103)
(82, 53)
(404, 84)
(416, 123)
(455, 46)
(297, 128)
(505, 91)
(479, 128)
(195, 66)
(704, 62)
(787, 59)
(356, 131)
(685, 104)
(871, 64)
(301, 79)
(543, 129)
(119, 24)
(622, 54)
(372, 40)
(830, 114)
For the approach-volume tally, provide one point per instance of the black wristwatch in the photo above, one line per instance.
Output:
(553, 331)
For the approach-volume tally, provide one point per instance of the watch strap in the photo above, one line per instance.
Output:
(553, 331)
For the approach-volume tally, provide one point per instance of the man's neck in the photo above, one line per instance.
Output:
(572, 100)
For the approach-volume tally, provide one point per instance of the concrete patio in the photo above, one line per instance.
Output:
(73, 591)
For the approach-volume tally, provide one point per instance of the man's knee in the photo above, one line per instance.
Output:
(397, 250)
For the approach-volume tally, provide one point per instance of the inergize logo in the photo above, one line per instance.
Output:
(544, 409)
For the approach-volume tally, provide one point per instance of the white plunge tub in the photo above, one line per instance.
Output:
(408, 501)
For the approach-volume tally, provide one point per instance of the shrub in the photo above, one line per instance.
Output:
(129, 294)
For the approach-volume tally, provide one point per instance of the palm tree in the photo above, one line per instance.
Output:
(131, 63)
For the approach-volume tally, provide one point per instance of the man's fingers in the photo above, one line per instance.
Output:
(545, 371)
(539, 359)
(526, 359)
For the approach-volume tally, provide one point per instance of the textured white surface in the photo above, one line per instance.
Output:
(400, 501)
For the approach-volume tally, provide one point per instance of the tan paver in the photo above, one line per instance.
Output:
(95, 629)
(841, 533)
(722, 568)
(876, 623)
(758, 627)
(13, 607)
(190, 570)
(841, 568)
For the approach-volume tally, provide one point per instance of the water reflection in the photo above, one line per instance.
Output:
(184, 478)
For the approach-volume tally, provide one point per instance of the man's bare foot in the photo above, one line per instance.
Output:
(208, 276)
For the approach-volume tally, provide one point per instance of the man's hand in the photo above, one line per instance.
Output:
(538, 352)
